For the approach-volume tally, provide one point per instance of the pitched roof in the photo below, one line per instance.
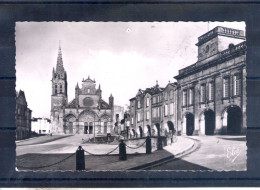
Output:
(72, 103)
(104, 105)
(88, 80)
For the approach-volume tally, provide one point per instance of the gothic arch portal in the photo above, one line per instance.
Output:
(69, 121)
(88, 116)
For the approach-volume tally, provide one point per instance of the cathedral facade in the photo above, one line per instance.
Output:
(87, 113)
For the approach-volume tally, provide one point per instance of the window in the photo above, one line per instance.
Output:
(156, 112)
(88, 90)
(171, 94)
(154, 99)
(211, 91)
(202, 93)
(56, 90)
(237, 85)
(171, 108)
(147, 101)
(166, 110)
(191, 96)
(132, 120)
(166, 96)
(138, 117)
(147, 115)
(226, 87)
(184, 98)
(153, 113)
(138, 104)
(60, 88)
(158, 98)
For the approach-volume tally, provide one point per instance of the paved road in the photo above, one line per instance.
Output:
(213, 153)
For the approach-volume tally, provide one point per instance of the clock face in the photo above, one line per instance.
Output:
(88, 101)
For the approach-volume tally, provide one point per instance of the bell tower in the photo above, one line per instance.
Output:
(59, 85)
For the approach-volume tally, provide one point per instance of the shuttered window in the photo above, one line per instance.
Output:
(211, 91)
(226, 87)
(147, 115)
(191, 96)
(166, 110)
(202, 93)
(171, 108)
(184, 98)
(236, 85)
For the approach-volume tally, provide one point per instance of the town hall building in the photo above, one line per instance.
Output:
(209, 97)
(87, 113)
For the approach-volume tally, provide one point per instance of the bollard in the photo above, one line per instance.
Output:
(165, 141)
(159, 143)
(148, 145)
(80, 159)
(122, 150)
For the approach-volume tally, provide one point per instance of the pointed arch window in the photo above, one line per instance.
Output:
(60, 88)
(56, 89)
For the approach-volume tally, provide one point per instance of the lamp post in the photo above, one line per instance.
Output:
(94, 128)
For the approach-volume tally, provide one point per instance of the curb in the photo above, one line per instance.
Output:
(164, 159)
(25, 139)
(51, 140)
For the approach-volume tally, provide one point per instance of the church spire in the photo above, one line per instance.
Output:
(59, 66)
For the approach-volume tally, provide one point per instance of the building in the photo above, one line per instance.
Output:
(87, 113)
(41, 125)
(209, 97)
(153, 111)
(118, 114)
(212, 91)
(22, 116)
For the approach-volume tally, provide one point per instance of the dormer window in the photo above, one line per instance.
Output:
(138, 104)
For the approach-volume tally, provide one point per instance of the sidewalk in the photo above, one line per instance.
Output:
(180, 147)
(136, 158)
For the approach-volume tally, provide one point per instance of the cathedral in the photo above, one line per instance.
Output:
(87, 113)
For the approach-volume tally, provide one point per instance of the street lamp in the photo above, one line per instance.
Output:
(94, 127)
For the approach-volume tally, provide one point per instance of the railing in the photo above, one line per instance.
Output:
(236, 48)
(221, 30)
(80, 154)
(208, 34)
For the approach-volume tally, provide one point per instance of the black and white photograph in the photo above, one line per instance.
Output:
(108, 96)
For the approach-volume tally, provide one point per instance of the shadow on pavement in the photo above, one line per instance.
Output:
(233, 138)
(177, 164)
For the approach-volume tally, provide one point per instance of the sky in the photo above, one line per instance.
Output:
(121, 56)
